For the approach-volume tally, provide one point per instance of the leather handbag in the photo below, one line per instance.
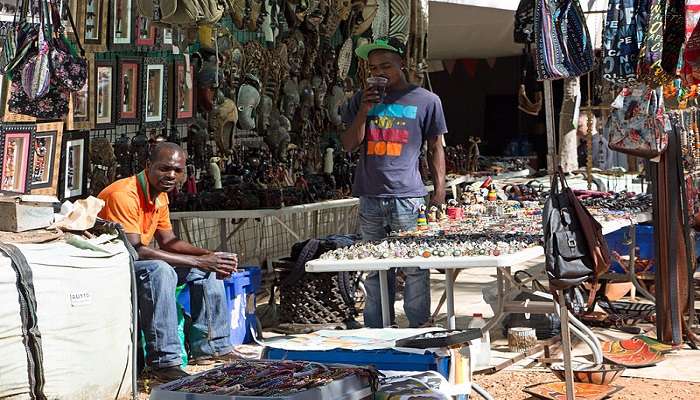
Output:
(568, 261)
(625, 25)
(563, 44)
(638, 124)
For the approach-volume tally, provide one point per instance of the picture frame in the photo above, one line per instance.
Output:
(64, 6)
(46, 158)
(92, 24)
(122, 18)
(183, 97)
(16, 157)
(81, 110)
(104, 101)
(155, 89)
(128, 90)
(74, 165)
(144, 32)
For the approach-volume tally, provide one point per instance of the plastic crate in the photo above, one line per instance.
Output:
(240, 291)
(381, 359)
(645, 245)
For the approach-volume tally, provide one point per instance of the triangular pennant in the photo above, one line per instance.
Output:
(449, 65)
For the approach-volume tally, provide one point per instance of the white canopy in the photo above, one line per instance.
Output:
(484, 28)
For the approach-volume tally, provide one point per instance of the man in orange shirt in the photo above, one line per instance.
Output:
(140, 204)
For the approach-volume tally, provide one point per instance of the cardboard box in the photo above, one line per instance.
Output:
(24, 213)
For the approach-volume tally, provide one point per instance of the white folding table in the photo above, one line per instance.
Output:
(508, 288)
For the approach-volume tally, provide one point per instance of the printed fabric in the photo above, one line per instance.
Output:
(623, 36)
(638, 124)
(563, 44)
(394, 133)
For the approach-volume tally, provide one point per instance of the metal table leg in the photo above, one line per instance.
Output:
(384, 294)
(449, 289)
(500, 302)
(566, 344)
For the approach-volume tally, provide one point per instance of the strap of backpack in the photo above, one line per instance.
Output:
(31, 337)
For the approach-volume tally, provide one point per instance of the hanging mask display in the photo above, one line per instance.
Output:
(248, 100)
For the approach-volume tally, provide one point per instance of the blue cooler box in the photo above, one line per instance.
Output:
(388, 359)
(241, 288)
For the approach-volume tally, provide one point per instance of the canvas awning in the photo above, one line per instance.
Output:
(484, 28)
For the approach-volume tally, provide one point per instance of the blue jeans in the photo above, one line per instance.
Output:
(211, 322)
(378, 216)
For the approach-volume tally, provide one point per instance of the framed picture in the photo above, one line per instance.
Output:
(154, 104)
(145, 32)
(183, 92)
(74, 165)
(122, 22)
(105, 73)
(46, 158)
(65, 7)
(81, 111)
(129, 83)
(92, 24)
(16, 157)
(168, 36)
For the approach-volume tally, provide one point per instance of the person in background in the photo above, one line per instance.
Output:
(140, 204)
(388, 124)
(603, 157)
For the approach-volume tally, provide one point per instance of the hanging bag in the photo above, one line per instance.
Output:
(69, 70)
(563, 44)
(523, 29)
(649, 68)
(690, 71)
(35, 74)
(638, 124)
(623, 36)
(568, 261)
(20, 40)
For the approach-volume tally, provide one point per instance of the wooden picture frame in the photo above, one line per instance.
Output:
(48, 141)
(128, 90)
(16, 157)
(81, 110)
(122, 18)
(105, 79)
(64, 6)
(183, 98)
(144, 32)
(74, 165)
(92, 24)
(155, 88)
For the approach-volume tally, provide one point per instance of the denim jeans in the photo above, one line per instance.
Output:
(378, 216)
(211, 322)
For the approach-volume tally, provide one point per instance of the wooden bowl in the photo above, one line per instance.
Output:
(588, 373)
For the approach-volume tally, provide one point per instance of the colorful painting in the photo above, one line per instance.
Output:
(145, 32)
(74, 165)
(122, 22)
(631, 353)
(184, 92)
(154, 91)
(104, 98)
(46, 158)
(129, 85)
(582, 391)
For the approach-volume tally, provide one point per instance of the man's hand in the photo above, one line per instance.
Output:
(223, 264)
(438, 197)
(370, 98)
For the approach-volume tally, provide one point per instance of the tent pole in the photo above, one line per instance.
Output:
(552, 158)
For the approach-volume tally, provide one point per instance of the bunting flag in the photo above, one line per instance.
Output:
(470, 66)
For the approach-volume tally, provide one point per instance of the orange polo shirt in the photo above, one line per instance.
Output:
(128, 202)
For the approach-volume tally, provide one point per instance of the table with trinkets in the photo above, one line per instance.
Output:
(492, 234)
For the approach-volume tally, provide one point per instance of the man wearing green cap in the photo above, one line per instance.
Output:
(388, 122)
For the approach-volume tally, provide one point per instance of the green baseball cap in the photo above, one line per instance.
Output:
(388, 44)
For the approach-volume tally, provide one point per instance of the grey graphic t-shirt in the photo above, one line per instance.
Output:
(394, 133)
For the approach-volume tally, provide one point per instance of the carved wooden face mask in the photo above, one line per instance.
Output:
(320, 89)
(291, 97)
(333, 103)
(221, 122)
(265, 110)
(248, 100)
